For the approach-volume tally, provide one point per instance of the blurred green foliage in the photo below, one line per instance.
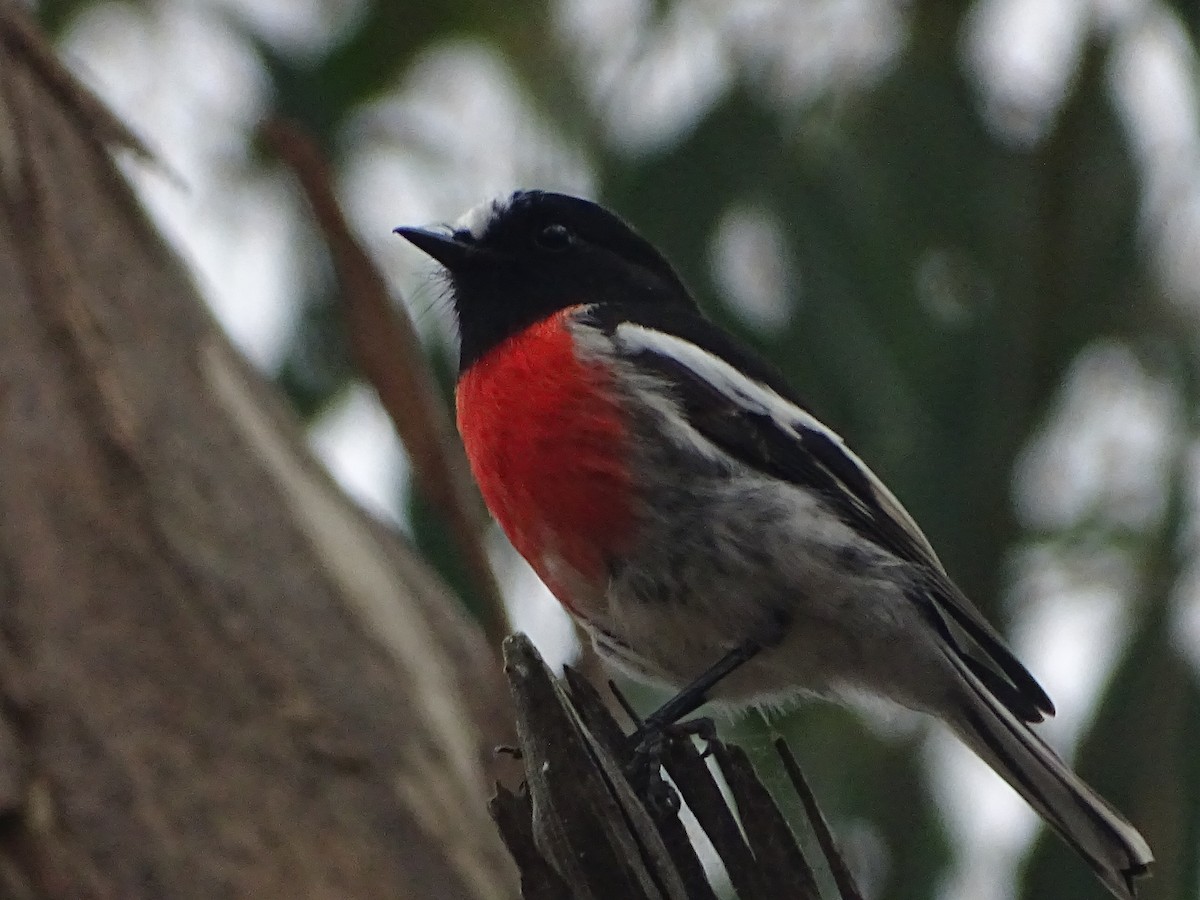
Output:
(1045, 254)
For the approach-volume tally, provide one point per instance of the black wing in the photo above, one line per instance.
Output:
(798, 450)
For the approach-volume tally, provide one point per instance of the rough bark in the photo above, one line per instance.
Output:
(217, 677)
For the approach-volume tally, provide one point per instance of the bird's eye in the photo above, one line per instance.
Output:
(553, 238)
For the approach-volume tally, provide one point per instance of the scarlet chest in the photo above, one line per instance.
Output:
(548, 446)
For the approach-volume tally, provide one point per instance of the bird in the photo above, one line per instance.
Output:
(708, 532)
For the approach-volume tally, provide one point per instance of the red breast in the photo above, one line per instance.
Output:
(548, 446)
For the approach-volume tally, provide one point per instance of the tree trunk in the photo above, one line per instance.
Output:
(218, 678)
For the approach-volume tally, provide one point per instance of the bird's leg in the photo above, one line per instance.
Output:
(649, 741)
(693, 696)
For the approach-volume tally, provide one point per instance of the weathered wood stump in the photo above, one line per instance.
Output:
(579, 828)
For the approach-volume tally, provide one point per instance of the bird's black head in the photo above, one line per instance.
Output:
(515, 261)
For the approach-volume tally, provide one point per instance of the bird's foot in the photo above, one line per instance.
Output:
(649, 744)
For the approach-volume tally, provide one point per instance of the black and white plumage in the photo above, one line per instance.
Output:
(879, 611)
(753, 524)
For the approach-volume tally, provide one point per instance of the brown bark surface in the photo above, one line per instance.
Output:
(217, 677)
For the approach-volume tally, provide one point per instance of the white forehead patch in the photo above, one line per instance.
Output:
(475, 221)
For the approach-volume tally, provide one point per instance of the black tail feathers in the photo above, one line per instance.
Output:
(1098, 833)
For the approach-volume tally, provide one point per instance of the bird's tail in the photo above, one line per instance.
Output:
(1110, 845)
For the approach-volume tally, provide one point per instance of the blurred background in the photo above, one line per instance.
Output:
(969, 233)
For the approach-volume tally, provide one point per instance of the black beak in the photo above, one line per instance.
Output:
(450, 251)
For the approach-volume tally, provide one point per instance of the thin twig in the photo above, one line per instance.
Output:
(833, 857)
(772, 841)
(700, 790)
(388, 352)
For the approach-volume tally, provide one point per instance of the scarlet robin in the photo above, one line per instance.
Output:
(707, 531)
